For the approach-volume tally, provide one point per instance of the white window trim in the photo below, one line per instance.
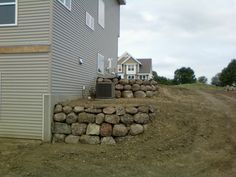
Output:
(16, 13)
(89, 21)
(64, 4)
(104, 13)
(102, 71)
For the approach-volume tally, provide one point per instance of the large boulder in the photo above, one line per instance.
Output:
(108, 141)
(100, 79)
(127, 94)
(154, 88)
(124, 81)
(127, 119)
(153, 82)
(149, 94)
(139, 94)
(58, 108)
(120, 110)
(71, 118)
(67, 109)
(71, 139)
(127, 87)
(86, 118)
(100, 118)
(78, 109)
(136, 87)
(139, 82)
(93, 110)
(143, 88)
(143, 109)
(107, 80)
(59, 117)
(106, 129)
(58, 138)
(112, 119)
(136, 129)
(131, 110)
(93, 129)
(141, 118)
(146, 82)
(132, 81)
(109, 110)
(119, 130)
(149, 87)
(86, 139)
(118, 94)
(62, 128)
(78, 129)
(119, 87)
(115, 80)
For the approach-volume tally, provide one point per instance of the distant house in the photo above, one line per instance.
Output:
(129, 67)
(50, 51)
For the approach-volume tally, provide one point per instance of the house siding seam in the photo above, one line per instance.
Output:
(72, 39)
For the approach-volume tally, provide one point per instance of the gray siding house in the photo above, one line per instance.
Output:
(50, 51)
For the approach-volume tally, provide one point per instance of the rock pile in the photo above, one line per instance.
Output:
(98, 124)
(133, 88)
(230, 88)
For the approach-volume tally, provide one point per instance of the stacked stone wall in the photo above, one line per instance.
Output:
(99, 124)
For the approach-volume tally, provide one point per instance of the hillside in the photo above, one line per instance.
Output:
(193, 135)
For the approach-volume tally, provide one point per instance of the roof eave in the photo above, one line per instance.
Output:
(122, 2)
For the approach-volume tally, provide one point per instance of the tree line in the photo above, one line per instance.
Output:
(186, 75)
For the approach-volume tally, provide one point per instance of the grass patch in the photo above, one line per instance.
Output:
(200, 86)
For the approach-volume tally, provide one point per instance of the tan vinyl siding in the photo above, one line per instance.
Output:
(72, 40)
(33, 24)
(24, 80)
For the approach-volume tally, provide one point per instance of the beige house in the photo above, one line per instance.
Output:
(129, 67)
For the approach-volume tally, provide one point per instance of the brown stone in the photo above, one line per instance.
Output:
(112, 119)
(119, 87)
(78, 129)
(109, 110)
(106, 129)
(136, 87)
(118, 94)
(124, 81)
(127, 94)
(131, 110)
(149, 88)
(127, 87)
(143, 88)
(67, 109)
(58, 108)
(119, 130)
(140, 94)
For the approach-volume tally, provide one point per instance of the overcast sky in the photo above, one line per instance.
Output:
(200, 34)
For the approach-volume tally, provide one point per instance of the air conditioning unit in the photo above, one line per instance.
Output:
(105, 90)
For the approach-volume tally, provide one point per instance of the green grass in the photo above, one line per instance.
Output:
(200, 86)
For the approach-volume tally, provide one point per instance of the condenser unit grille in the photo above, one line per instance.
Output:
(105, 90)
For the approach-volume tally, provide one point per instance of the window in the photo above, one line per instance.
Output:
(89, 21)
(66, 3)
(100, 64)
(130, 67)
(130, 77)
(8, 12)
(101, 13)
(142, 77)
(119, 68)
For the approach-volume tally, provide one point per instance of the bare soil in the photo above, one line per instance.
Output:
(194, 135)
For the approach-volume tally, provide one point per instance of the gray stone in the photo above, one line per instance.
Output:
(127, 87)
(119, 87)
(139, 94)
(71, 118)
(58, 108)
(151, 108)
(78, 129)
(60, 117)
(58, 138)
(120, 110)
(132, 81)
(108, 141)
(127, 119)
(86, 118)
(93, 129)
(107, 80)
(100, 79)
(154, 88)
(93, 110)
(112, 119)
(67, 109)
(149, 94)
(71, 139)
(100, 118)
(118, 94)
(139, 82)
(119, 130)
(136, 87)
(127, 94)
(143, 88)
(106, 129)
(62, 128)
(146, 82)
(136, 129)
(115, 80)
(131, 110)
(86, 139)
(78, 109)
(124, 81)
(141, 118)
(109, 110)
(152, 116)
(149, 88)
(143, 109)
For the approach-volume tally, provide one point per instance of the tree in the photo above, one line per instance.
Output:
(228, 74)
(161, 79)
(202, 79)
(184, 76)
(216, 80)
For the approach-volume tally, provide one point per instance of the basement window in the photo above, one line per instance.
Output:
(66, 3)
(8, 12)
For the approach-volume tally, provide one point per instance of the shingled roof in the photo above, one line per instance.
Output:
(146, 66)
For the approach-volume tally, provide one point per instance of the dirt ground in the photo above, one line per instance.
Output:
(194, 135)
